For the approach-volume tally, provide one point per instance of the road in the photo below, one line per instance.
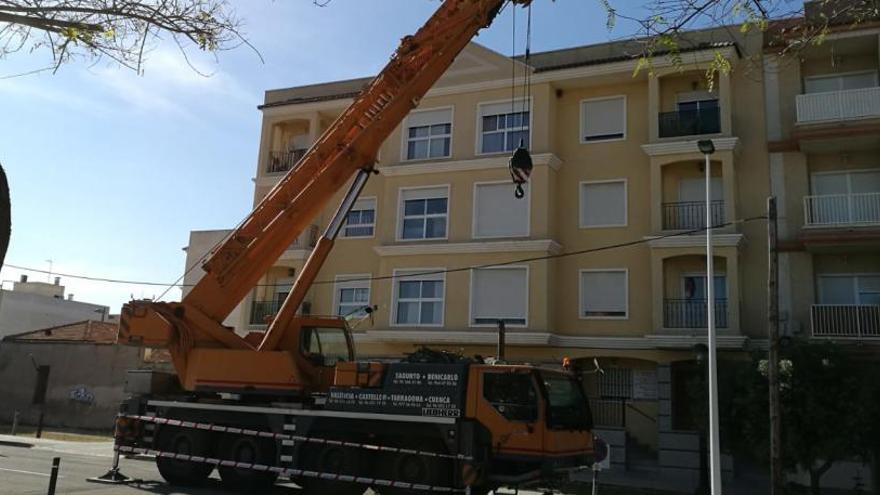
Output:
(25, 464)
(25, 467)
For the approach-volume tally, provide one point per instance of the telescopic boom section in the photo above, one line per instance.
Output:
(349, 145)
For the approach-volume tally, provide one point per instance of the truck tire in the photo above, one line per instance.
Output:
(414, 468)
(332, 459)
(251, 450)
(184, 441)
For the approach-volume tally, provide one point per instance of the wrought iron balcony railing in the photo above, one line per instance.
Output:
(690, 122)
(282, 161)
(687, 215)
(691, 313)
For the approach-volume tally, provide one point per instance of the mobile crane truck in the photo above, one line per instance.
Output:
(293, 401)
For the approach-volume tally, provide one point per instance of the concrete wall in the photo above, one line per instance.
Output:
(84, 388)
(22, 312)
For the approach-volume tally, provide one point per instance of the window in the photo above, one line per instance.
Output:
(604, 294)
(697, 101)
(513, 395)
(849, 289)
(497, 213)
(352, 295)
(361, 220)
(567, 405)
(504, 126)
(424, 213)
(694, 286)
(428, 134)
(329, 344)
(603, 204)
(419, 298)
(499, 294)
(840, 82)
(603, 119)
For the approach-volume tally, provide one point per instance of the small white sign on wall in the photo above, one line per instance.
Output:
(644, 384)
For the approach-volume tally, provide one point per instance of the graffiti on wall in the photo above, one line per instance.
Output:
(82, 394)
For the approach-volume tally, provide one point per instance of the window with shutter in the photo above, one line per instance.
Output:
(604, 294)
(428, 134)
(603, 119)
(419, 296)
(603, 204)
(497, 213)
(423, 213)
(504, 126)
(499, 294)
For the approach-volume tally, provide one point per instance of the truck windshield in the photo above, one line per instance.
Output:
(326, 341)
(568, 408)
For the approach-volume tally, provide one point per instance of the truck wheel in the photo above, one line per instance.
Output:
(332, 459)
(251, 450)
(183, 441)
(413, 468)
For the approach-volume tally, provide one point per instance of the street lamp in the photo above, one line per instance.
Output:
(707, 147)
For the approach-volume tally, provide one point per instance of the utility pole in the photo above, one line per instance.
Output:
(773, 358)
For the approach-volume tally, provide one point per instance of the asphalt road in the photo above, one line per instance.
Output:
(25, 465)
(24, 470)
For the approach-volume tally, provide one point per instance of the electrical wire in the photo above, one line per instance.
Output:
(607, 247)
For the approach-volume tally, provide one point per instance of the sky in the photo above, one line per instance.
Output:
(109, 171)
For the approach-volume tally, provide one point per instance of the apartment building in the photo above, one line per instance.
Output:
(823, 131)
(616, 161)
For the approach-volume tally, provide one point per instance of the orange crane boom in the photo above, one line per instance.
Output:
(347, 147)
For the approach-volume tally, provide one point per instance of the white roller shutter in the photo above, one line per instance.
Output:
(429, 117)
(499, 293)
(497, 213)
(604, 293)
(603, 204)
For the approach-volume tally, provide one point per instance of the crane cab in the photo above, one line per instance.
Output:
(303, 363)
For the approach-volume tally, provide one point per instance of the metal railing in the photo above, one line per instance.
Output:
(261, 310)
(608, 412)
(690, 122)
(838, 105)
(282, 161)
(691, 313)
(842, 209)
(845, 321)
(686, 215)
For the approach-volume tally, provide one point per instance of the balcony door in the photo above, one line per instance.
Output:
(694, 287)
(863, 289)
(845, 197)
(691, 208)
(840, 82)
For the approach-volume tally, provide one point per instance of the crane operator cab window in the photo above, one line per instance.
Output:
(513, 395)
(568, 408)
(325, 346)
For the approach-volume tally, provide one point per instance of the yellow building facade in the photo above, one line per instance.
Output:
(604, 257)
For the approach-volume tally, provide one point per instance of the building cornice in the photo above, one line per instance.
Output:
(546, 339)
(434, 167)
(695, 57)
(689, 146)
(695, 240)
(541, 245)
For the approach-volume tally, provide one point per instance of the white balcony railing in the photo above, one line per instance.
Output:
(842, 209)
(846, 321)
(838, 105)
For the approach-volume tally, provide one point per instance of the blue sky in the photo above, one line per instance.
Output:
(109, 171)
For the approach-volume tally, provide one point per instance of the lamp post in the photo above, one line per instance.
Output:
(707, 147)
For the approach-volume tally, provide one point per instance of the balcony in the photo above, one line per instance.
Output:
(282, 161)
(831, 210)
(307, 240)
(831, 106)
(689, 215)
(261, 310)
(690, 122)
(691, 313)
(845, 321)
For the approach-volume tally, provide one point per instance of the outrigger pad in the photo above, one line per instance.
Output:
(112, 477)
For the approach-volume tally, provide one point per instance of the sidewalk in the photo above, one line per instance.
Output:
(97, 449)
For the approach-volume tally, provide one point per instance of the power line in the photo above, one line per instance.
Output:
(607, 247)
